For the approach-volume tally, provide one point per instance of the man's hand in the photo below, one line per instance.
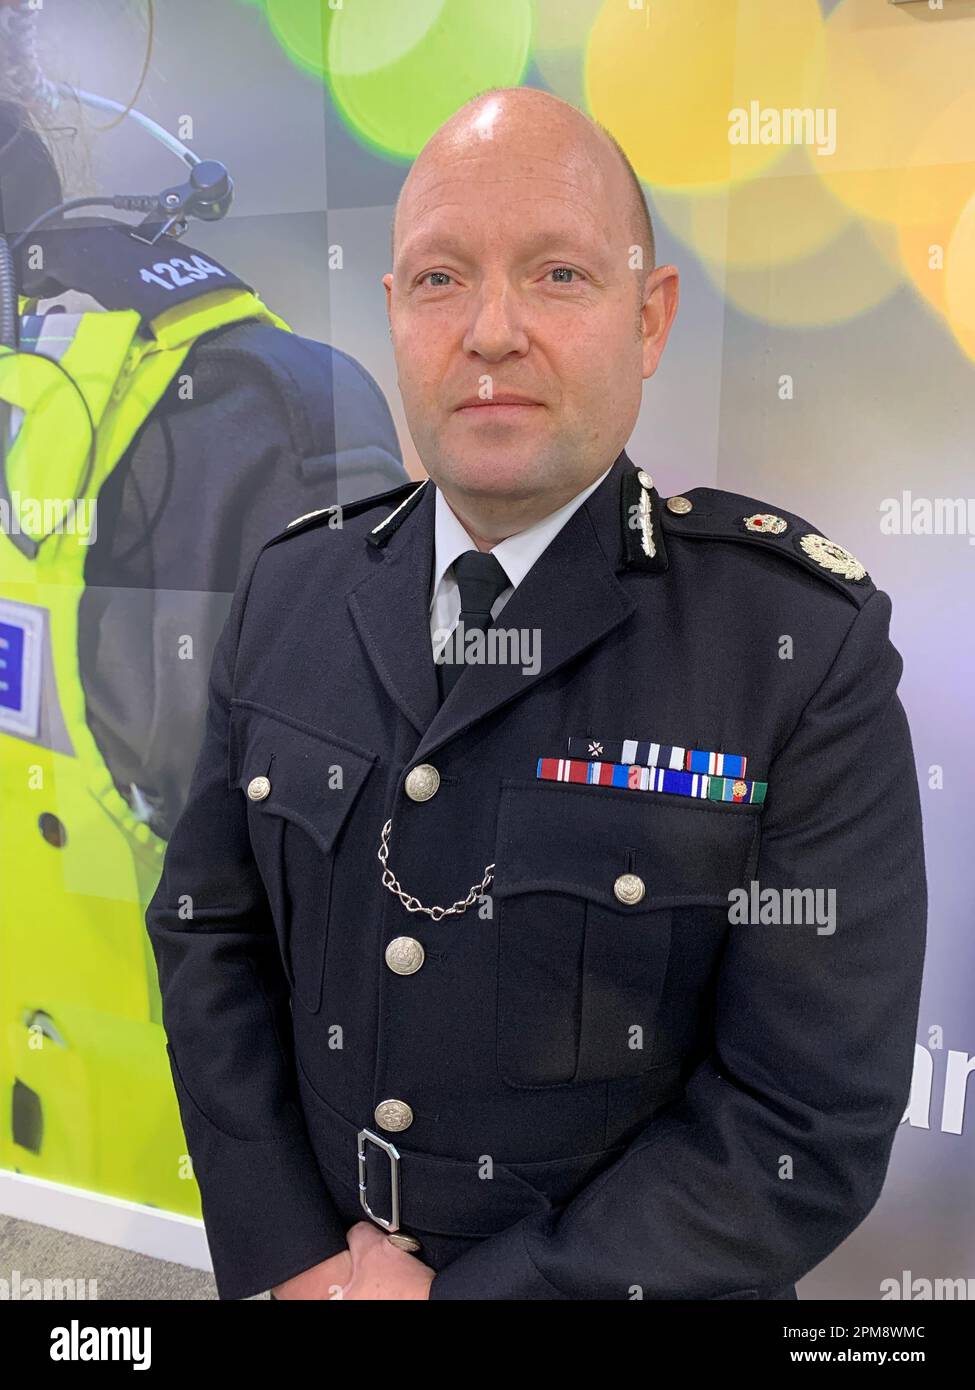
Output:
(380, 1270)
(325, 1280)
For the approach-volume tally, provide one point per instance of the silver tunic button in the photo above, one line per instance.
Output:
(404, 955)
(258, 788)
(404, 1242)
(422, 782)
(645, 478)
(680, 506)
(629, 888)
(393, 1114)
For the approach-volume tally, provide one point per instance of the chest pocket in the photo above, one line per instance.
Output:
(580, 972)
(301, 784)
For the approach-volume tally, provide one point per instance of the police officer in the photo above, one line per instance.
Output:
(546, 919)
(130, 406)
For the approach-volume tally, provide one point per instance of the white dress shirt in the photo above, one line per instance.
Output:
(516, 554)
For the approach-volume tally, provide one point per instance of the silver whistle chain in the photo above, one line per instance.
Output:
(413, 904)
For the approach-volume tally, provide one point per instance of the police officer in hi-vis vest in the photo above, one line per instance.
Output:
(533, 929)
(158, 422)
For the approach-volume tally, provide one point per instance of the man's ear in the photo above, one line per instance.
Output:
(388, 282)
(659, 308)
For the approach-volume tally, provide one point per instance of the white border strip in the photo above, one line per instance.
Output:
(163, 1235)
(387, 519)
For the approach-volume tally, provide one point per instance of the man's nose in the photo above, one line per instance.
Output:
(497, 325)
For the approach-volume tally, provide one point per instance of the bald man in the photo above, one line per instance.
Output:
(547, 916)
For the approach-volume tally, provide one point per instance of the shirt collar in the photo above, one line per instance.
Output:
(517, 553)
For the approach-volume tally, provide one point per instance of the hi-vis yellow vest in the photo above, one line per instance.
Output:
(87, 1096)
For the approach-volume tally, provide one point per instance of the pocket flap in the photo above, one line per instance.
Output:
(567, 838)
(314, 776)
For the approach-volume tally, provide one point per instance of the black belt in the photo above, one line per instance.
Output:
(428, 1193)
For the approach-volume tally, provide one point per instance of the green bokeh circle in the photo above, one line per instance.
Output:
(395, 108)
(301, 28)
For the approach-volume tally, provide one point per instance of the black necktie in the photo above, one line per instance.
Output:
(480, 578)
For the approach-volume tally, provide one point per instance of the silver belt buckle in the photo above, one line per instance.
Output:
(393, 1155)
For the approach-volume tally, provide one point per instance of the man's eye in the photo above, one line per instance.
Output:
(436, 274)
(563, 272)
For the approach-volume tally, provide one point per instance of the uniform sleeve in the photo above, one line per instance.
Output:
(779, 1147)
(225, 1003)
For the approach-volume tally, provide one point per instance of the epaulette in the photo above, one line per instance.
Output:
(710, 514)
(105, 259)
(402, 499)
